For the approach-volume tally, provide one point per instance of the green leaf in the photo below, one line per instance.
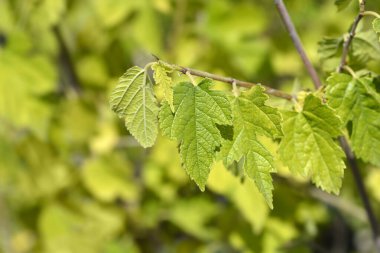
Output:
(161, 76)
(329, 47)
(342, 4)
(197, 111)
(356, 100)
(133, 100)
(258, 162)
(376, 26)
(266, 119)
(166, 117)
(308, 146)
(341, 94)
(251, 117)
(329, 52)
(365, 47)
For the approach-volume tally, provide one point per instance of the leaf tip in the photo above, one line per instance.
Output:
(201, 187)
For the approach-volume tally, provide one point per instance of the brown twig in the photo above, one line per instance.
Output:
(351, 160)
(362, 192)
(351, 35)
(230, 80)
(347, 42)
(297, 42)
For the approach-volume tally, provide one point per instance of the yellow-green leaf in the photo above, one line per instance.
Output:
(197, 111)
(134, 101)
(251, 117)
(162, 78)
(309, 147)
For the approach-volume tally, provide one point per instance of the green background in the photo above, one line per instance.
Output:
(72, 180)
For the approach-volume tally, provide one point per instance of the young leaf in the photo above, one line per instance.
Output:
(133, 100)
(161, 76)
(308, 146)
(329, 47)
(365, 47)
(250, 117)
(166, 117)
(197, 111)
(356, 100)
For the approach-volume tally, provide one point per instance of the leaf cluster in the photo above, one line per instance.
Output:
(211, 125)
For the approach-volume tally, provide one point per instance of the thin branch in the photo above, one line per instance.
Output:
(297, 42)
(229, 80)
(344, 143)
(339, 203)
(351, 35)
(306, 190)
(362, 192)
(347, 42)
(351, 160)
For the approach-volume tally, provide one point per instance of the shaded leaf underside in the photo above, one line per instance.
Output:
(134, 101)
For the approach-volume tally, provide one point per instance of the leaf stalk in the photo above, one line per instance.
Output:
(371, 13)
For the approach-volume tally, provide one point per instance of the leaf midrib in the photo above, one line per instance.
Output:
(313, 133)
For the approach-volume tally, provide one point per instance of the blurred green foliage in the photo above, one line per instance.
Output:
(72, 180)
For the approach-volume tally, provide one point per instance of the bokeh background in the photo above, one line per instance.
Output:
(72, 180)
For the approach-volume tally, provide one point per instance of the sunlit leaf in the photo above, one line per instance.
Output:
(162, 78)
(166, 118)
(308, 146)
(197, 111)
(251, 117)
(134, 101)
